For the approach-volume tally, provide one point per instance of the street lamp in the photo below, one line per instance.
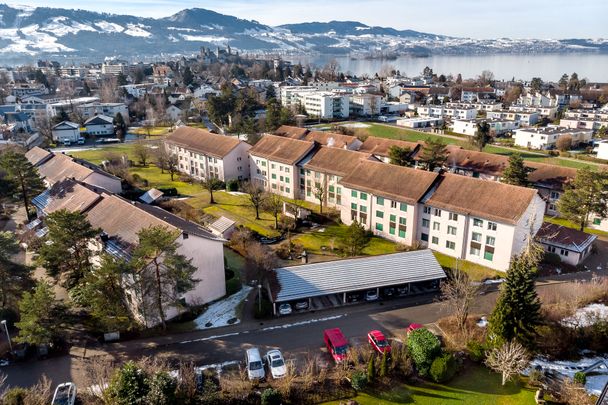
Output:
(10, 344)
(260, 298)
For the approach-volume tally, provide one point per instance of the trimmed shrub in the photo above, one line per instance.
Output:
(477, 351)
(358, 380)
(371, 368)
(423, 347)
(270, 396)
(443, 368)
(384, 365)
(580, 378)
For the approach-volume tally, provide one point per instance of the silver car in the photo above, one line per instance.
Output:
(65, 394)
(276, 364)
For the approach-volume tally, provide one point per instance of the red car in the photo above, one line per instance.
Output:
(413, 327)
(378, 342)
(336, 343)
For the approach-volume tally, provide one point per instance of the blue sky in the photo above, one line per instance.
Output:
(472, 18)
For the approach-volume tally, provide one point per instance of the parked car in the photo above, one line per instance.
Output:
(276, 364)
(284, 309)
(66, 142)
(80, 141)
(371, 295)
(353, 297)
(301, 305)
(401, 291)
(378, 342)
(413, 327)
(388, 292)
(253, 362)
(336, 343)
(65, 394)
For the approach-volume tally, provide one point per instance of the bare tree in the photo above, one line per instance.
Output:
(457, 294)
(510, 359)
(263, 259)
(142, 152)
(162, 155)
(108, 90)
(485, 78)
(319, 192)
(274, 205)
(564, 143)
(45, 129)
(256, 196)
(211, 184)
(172, 165)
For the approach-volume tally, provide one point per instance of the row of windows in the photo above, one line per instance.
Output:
(281, 178)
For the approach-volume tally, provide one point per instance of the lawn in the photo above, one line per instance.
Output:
(477, 272)
(474, 385)
(154, 131)
(570, 224)
(99, 153)
(314, 241)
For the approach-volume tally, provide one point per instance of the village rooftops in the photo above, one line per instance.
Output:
(291, 132)
(200, 140)
(66, 195)
(280, 149)
(322, 137)
(394, 182)
(567, 238)
(381, 146)
(550, 176)
(487, 163)
(61, 167)
(37, 155)
(339, 162)
(485, 199)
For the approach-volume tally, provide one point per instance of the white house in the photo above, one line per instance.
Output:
(108, 109)
(202, 154)
(546, 137)
(326, 105)
(571, 245)
(99, 125)
(497, 126)
(602, 150)
(174, 113)
(584, 123)
(525, 118)
(419, 122)
(365, 104)
(273, 163)
(66, 131)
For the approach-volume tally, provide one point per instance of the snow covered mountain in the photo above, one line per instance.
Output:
(27, 33)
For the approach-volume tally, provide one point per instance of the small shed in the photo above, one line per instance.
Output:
(151, 196)
(571, 245)
(222, 227)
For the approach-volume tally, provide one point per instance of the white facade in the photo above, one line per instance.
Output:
(324, 104)
(233, 166)
(455, 111)
(99, 125)
(419, 122)
(584, 123)
(546, 138)
(497, 127)
(276, 177)
(289, 94)
(107, 109)
(365, 104)
(525, 118)
(602, 150)
(66, 131)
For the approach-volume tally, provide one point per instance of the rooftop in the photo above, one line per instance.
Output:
(280, 149)
(313, 280)
(339, 162)
(37, 155)
(569, 238)
(203, 141)
(381, 146)
(394, 182)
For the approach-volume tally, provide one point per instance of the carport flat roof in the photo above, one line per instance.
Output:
(317, 279)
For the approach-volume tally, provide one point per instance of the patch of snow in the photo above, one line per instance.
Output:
(221, 312)
(109, 27)
(483, 322)
(60, 26)
(308, 322)
(136, 30)
(587, 316)
(362, 28)
(595, 383)
(356, 125)
(217, 366)
(205, 38)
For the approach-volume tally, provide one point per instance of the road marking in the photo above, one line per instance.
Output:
(209, 338)
(291, 325)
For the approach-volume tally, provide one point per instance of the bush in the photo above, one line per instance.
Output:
(232, 185)
(552, 258)
(371, 368)
(443, 368)
(129, 385)
(423, 347)
(162, 389)
(477, 351)
(580, 378)
(15, 396)
(233, 286)
(169, 191)
(358, 380)
(270, 396)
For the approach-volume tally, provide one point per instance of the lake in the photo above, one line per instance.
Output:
(550, 67)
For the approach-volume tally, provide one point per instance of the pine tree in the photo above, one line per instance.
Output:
(38, 321)
(587, 194)
(400, 156)
(371, 368)
(516, 173)
(482, 136)
(384, 365)
(517, 311)
(22, 175)
(434, 154)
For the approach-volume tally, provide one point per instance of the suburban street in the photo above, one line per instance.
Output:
(295, 335)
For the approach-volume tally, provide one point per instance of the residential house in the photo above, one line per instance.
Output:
(108, 109)
(325, 105)
(56, 167)
(321, 172)
(65, 131)
(174, 113)
(602, 149)
(204, 155)
(99, 125)
(497, 126)
(571, 245)
(592, 124)
(545, 138)
(273, 163)
(419, 122)
(384, 199)
(525, 118)
(480, 221)
(365, 104)
(454, 111)
(544, 112)
(473, 94)
(119, 221)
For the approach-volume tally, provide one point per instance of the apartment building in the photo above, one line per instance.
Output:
(525, 118)
(365, 104)
(497, 126)
(481, 105)
(109, 109)
(273, 163)
(544, 112)
(325, 138)
(204, 155)
(474, 94)
(419, 122)
(454, 111)
(380, 148)
(602, 150)
(321, 173)
(325, 105)
(289, 94)
(546, 138)
(592, 124)
(384, 199)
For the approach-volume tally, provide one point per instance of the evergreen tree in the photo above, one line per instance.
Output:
(162, 274)
(434, 154)
(121, 79)
(355, 239)
(587, 194)
(517, 311)
(13, 276)
(120, 127)
(22, 175)
(371, 368)
(273, 115)
(38, 322)
(68, 232)
(384, 365)
(187, 76)
(270, 92)
(516, 173)
(482, 136)
(400, 156)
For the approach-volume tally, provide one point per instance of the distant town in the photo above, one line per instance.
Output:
(232, 229)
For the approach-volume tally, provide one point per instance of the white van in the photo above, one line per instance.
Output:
(255, 366)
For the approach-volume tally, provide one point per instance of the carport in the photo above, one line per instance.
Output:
(336, 279)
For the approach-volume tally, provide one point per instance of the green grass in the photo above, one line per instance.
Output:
(474, 385)
(570, 224)
(99, 153)
(154, 131)
(475, 271)
(314, 241)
